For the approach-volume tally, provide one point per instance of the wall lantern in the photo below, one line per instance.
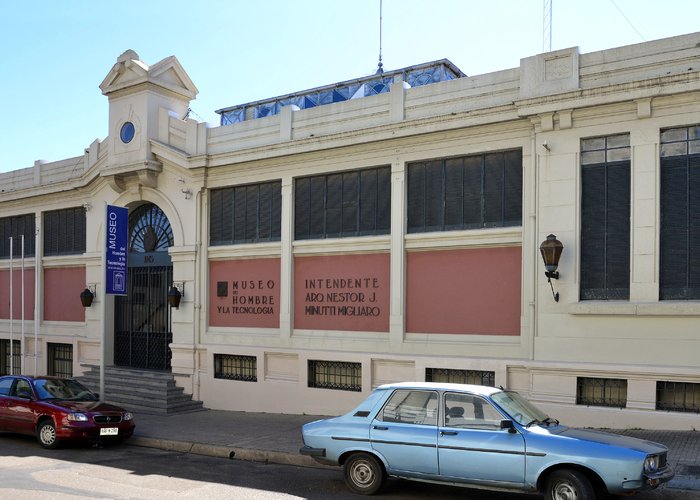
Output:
(86, 297)
(551, 251)
(174, 296)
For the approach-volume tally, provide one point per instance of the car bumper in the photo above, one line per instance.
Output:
(659, 477)
(92, 432)
(318, 454)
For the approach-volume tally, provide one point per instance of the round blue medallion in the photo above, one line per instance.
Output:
(127, 132)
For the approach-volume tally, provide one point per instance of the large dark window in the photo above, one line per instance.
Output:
(605, 218)
(680, 214)
(343, 204)
(678, 396)
(64, 231)
(246, 214)
(469, 192)
(15, 227)
(601, 392)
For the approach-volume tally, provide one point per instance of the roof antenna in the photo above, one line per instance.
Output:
(380, 69)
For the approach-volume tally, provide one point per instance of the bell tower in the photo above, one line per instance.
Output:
(136, 93)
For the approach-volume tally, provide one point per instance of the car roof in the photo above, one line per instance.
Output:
(481, 390)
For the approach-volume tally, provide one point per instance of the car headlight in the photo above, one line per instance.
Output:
(77, 417)
(127, 416)
(651, 463)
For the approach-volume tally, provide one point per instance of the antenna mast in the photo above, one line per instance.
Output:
(380, 66)
(546, 25)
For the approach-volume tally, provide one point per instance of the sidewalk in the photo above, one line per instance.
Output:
(276, 438)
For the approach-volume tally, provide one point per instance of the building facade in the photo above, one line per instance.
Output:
(374, 231)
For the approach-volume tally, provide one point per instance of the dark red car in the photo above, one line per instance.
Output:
(59, 409)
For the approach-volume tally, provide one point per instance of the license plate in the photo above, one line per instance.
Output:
(109, 431)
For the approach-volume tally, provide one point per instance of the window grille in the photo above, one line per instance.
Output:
(680, 206)
(338, 375)
(60, 360)
(678, 396)
(355, 203)
(605, 218)
(469, 192)
(236, 367)
(601, 392)
(448, 375)
(64, 231)
(5, 357)
(15, 227)
(246, 214)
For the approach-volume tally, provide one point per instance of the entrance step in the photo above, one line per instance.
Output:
(141, 391)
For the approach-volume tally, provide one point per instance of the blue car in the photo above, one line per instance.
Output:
(478, 437)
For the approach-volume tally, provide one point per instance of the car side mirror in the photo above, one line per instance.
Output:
(508, 424)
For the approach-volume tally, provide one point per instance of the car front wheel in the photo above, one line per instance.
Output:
(364, 474)
(568, 484)
(46, 433)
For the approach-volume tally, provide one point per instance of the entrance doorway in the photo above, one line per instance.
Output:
(142, 323)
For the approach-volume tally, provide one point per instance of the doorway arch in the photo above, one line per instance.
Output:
(142, 320)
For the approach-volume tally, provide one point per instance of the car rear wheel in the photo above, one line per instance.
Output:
(364, 474)
(46, 434)
(568, 484)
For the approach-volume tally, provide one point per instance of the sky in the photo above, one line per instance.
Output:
(55, 54)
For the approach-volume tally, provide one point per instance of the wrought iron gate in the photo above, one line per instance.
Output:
(142, 324)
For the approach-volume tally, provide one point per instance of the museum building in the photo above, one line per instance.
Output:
(536, 228)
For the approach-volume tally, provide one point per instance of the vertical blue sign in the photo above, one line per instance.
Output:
(116, 249)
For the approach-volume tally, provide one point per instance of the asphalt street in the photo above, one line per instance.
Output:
(133, 472)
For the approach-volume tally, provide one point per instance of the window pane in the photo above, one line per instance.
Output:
(617, 141)
(593, 144)
(591, 157)
(674, 134)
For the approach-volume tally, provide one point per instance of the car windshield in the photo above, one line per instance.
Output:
(520, 409)
(63, 389)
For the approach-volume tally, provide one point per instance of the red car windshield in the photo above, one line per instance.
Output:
(63, 389)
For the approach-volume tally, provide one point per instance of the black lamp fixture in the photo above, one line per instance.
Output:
(551, 251)
(174, 296)
(86, 297)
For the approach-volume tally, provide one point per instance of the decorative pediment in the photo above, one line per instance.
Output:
(130, 71)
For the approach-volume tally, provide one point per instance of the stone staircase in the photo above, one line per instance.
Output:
(141, 391)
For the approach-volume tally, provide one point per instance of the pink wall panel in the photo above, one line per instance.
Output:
(244, 293)
(17, 294)
(474, 291)
(62, 288)
(343, 292)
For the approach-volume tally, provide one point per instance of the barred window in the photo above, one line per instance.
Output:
(469, 192)
(601, 392)
(338, 375)
(14, 227)
(680, 206)
(64, 231)
(246, 214)
(5, 357)
(236, 367)
(477, 377)
(605, 218)
(344, 204)
(60, 360)
(678, 396)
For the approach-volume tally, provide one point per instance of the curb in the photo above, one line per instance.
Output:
(230, 452)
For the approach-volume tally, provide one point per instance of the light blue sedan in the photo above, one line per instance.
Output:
(479, 437)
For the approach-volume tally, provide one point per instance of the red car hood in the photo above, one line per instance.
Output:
(85, 406)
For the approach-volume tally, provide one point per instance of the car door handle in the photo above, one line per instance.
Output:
(380, 428)
(448, 433)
